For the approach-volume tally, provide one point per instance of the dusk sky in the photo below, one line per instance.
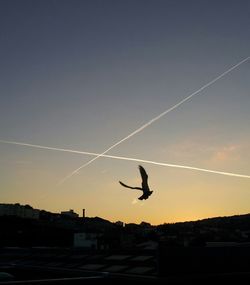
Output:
(84, 74)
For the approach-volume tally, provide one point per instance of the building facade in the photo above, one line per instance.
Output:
(18, 210)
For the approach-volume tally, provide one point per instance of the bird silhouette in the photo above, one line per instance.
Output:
(144, 185)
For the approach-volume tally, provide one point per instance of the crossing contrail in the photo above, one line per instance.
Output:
(127, 158)
(155, 118)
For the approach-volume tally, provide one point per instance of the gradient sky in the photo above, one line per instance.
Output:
(85, 74)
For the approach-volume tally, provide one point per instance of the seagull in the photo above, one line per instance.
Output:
(144, 185)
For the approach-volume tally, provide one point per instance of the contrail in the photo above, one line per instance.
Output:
(156, 118)
(127, 158)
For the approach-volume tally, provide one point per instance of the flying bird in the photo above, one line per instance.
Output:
(144, 185)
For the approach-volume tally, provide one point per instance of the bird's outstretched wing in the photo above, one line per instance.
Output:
(124, 185)
(144, 177)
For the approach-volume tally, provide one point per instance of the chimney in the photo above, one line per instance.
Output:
(83, 213)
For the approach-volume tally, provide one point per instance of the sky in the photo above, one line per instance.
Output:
(83, 75)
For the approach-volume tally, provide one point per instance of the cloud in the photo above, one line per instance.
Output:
(189, 149)
(135, 201)
(226, 153)
(201, 150)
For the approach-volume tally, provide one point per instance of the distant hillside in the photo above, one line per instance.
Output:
(219, 229)
(241, 222)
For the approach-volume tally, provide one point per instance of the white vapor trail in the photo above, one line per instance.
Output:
(127, 158)
(156, 118)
